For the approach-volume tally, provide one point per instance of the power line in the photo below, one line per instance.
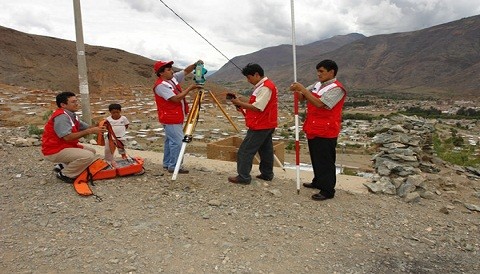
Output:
(280, 103)
(200, 34)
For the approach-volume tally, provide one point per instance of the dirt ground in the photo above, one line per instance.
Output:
(200, 223)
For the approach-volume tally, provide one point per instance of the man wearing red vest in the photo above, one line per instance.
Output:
(60, 139)
(261, 120)
(172, 108)
(322, 126)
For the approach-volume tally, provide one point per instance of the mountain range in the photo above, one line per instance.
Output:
(278, 61)
(442, 60)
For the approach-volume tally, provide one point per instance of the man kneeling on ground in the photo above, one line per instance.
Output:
(60, 139)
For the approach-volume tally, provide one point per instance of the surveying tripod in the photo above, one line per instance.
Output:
(192, 118)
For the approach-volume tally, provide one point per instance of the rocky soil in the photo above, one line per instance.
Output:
(202, 224)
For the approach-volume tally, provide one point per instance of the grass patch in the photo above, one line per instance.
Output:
(463, 156)
(35, 130)
(350, 171)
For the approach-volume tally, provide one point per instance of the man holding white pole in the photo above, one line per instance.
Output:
(322, 126)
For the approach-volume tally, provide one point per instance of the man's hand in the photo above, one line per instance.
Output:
(192, 87)
(96, 130)
(80, 134)
(297, 87)
(231, 96)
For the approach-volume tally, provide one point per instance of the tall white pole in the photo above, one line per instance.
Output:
(82, 64)
(295, 99)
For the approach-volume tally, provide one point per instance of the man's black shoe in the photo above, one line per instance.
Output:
(320, 197)
(262, 177)
(64, 178)
(235, 180)
(180, 171)
(309, 185)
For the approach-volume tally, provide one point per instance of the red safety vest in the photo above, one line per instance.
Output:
(322, 122)
(170, 112)
(266, 119)
(51, 143)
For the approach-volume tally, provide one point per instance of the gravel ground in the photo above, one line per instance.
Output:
(202, 224)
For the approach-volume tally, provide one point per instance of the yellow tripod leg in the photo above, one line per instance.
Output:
(188, 129)
(223, 111)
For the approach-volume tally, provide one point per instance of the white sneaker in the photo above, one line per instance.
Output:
(58, 167)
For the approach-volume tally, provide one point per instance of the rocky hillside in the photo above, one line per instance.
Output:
(443, 60)
(36, 61)
(278, 61)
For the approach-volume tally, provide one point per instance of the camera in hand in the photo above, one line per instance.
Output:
(231, 96)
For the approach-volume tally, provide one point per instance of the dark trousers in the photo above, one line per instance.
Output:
(255, 141)
(323, 156)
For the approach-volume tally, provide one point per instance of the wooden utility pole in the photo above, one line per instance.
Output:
(82, 64)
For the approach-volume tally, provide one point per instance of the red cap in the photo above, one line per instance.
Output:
(160, 64)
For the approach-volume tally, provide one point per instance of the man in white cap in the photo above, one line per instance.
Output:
(172, 108)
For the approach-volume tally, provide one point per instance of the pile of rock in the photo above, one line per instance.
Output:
(405, 152)
(18, 137)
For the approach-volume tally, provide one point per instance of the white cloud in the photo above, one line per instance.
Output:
(148, 28)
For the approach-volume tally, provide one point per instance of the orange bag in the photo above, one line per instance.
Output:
(100, 169)
(87, 176)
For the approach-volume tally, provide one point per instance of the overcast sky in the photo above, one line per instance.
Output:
(235, 27)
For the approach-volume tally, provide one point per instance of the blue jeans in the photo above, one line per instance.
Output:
(173, 144)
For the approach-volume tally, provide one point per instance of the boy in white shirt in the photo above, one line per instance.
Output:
(119, 125)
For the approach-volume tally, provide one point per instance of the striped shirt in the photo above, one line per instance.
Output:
(332, 97)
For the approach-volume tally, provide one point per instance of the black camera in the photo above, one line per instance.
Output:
(231, 96)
